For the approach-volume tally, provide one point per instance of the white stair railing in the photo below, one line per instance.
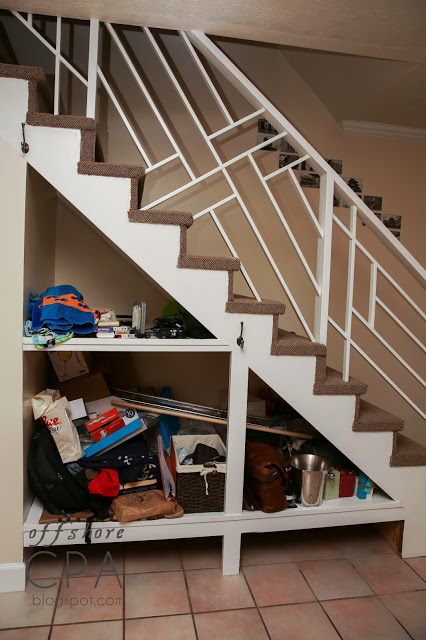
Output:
(322, 223)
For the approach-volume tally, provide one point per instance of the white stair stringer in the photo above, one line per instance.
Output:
(104, 201)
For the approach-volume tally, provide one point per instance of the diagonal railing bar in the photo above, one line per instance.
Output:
(389, 348)
(148, 97)
(288, 166)
(401, 324)
(123, 117)
(48, 46)
(234, 253)
(206, 77)
(215, 206)
(215, 55)
(236, 124)
(377, 368)
(305, 201)
(285, 225)
(160, 163)
(212, 172)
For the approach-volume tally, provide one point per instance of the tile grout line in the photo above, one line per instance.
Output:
(189, 601)
(393, 615)
(256, 605)
(56, 605)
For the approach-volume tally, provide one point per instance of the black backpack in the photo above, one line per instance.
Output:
(61, 488)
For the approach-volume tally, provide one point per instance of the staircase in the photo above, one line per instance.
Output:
(62, 150)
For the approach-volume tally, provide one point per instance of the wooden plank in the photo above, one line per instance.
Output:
(393, 533)
(191, 416)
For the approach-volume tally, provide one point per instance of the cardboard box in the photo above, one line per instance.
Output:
(104, 425)
(68, 364)
(90, 387)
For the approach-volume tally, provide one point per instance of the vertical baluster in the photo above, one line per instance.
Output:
(349, 295)
(57, 91)
(30, 19)
(324, 257)
(372, 298)
(93, 66)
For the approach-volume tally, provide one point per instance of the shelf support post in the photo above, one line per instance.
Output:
(237, 419)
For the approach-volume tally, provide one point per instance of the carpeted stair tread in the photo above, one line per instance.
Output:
(372, 418)
(209, 263)
(243, 304)
(290, 344)
(407, 452)
(156, 216)
(38, 119)
(111, 170)
(333, 384)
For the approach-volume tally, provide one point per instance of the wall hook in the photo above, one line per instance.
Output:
(24, 145)
(240, 339)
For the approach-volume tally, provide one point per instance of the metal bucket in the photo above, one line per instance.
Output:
(309, 473)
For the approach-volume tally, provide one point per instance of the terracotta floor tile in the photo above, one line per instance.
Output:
(209, 590)
(45, 565)
(95, 556)
(410, 610)
(113, 630)
(312, 545)
(360, 541)
(336, 578)
(387, 573)
(149, 556)
(156, 594)
(169, 627)
(264, 548)
(29, 608)
(277, 584)
(204, 553)
(419, 565)
(298, 622)
(364, 619)
(83, 602)
(34, 633)
(244, 624)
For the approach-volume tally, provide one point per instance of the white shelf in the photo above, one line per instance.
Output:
(133, 345)
(340, 512)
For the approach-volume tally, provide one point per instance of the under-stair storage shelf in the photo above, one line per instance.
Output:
(138, 344)
(340, 512)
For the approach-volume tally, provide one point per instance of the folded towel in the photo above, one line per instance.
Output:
(62, 309)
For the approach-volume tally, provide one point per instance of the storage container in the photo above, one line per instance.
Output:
(199, 488)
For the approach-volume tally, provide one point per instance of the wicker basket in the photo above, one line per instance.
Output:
(197, 493)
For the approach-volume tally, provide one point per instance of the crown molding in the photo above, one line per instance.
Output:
(382, 130)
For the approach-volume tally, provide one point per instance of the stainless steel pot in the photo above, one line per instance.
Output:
(309, 473)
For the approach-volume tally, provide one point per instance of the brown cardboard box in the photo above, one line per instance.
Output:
(90, 387)
(68, 364)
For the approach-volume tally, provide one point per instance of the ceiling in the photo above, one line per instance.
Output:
(393, 29)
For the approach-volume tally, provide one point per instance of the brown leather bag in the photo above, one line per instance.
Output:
(265, 477)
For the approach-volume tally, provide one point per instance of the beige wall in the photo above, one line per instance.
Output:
(12, 193)
(105, 277)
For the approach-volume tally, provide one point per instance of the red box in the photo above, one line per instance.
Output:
(105, 424)
(347, 483)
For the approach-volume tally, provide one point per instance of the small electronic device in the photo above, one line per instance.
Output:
(139, 318)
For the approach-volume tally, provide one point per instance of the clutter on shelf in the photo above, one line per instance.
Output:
(60, 313)
(115, 454)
